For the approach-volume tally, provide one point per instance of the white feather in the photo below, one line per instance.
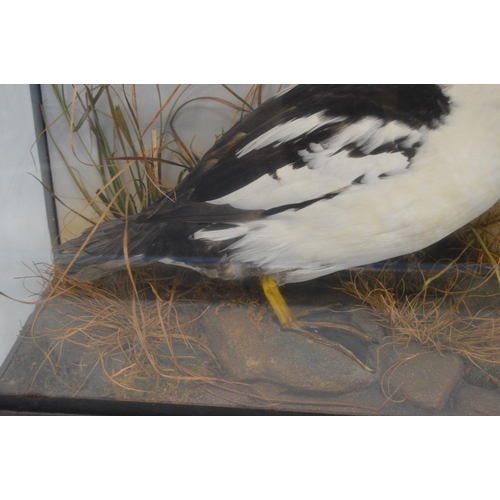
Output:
(288, 131)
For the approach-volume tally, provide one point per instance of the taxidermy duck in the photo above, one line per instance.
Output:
(318, 179)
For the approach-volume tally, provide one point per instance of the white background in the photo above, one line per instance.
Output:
(23, 221)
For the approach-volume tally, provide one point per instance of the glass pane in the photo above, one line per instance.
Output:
(332, 249)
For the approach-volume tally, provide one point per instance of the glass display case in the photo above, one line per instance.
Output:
(235, 249)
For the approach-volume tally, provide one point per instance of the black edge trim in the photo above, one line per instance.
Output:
(43, 157)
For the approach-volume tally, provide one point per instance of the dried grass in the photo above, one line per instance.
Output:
(137, 322)
(132, 160)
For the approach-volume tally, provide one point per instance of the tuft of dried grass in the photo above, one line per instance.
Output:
(136, 327)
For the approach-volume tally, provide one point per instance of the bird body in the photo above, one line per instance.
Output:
(318, 179)
(452, 179)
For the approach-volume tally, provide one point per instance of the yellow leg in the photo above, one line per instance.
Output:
(278, 303)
